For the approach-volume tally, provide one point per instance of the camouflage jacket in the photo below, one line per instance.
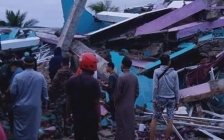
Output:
(58, 83)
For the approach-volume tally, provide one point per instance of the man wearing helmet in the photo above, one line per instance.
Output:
(83, 93)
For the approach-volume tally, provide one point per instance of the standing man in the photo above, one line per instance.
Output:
(110, 87)
(27, 89)
(58, 95)
(15, 68)
(83, 93)
(165, 94)
(55, 63)
(57, 87)
(126, 92)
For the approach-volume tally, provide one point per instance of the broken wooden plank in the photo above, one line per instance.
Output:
(68, 31)
(202, 91)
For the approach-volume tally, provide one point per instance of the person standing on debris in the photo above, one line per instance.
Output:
(165, 94)
(57, 91)
(55, 63)
(27, 91)
(126, 92)
(15, 69)
(57, 87)
(83, 93)
(110, 87)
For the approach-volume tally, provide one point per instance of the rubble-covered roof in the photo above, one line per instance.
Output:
(126, 25)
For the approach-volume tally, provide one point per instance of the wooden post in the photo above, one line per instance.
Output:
(68, 31)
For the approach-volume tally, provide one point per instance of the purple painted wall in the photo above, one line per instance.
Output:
(203, 26)
(184, 26)
(171, 18)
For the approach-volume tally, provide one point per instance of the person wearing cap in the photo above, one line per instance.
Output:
(83, 94)
(29, 53)
(27, 90)
(125, 94)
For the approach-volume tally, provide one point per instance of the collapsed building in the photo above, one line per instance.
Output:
(191, 32)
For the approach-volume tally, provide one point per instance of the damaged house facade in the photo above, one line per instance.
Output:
(191, 32)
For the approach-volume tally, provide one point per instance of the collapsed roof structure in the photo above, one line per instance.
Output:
(191, 32)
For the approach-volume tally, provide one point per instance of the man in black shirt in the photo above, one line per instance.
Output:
(110, 88)
(83, 93)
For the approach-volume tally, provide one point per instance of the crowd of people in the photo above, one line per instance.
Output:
(79, 93)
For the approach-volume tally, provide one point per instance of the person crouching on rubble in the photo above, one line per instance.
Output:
(165, 94)
(27, 91)
(83, 94)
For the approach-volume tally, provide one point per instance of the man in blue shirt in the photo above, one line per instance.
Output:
(28, 90)
(15, 69)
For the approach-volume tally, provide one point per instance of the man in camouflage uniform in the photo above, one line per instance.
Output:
(57, 93)
(57, 87)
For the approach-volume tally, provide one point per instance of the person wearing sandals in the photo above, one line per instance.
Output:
(165, 94)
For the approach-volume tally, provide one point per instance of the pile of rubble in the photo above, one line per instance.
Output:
(193, 37)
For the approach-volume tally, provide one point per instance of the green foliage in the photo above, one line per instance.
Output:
(17, 20)
(105, 5)
(3, 23)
